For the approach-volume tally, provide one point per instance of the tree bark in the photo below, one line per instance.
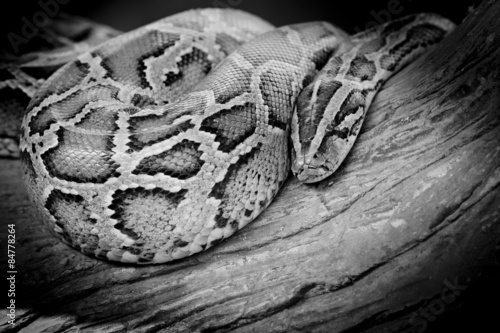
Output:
(395, 239)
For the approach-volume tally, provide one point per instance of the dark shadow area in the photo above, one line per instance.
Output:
(129, 14)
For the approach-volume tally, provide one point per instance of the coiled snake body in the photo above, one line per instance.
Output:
(162, 142)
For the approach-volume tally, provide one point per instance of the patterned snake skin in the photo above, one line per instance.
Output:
(164, 141)
(23, 72)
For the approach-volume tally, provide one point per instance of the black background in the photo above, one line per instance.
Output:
(346, 13)
(478, 312)
(129, 14)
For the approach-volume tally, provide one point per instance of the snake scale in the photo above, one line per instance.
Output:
(163, 141)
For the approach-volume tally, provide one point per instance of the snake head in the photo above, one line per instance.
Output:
(325, 124)
(314, 165)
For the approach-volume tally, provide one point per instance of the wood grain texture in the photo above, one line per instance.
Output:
(414, 209)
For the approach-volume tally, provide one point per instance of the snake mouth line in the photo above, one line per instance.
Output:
(311, 173)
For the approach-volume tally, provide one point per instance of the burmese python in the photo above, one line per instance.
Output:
(165, 140)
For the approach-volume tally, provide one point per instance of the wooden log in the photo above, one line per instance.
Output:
(393, 240)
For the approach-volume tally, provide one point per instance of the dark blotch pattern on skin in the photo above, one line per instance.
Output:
(234, 224)
(123, 198)
(153, 128)
(137, 211)
(139, 141)
(182, 161)
(307, 80)
(231, 126)
(221, 221)
(309, 116)
(332, 68)
(321, 57)
(277, 95)
(180, 243)
(351, 104)
(141, 101)
(219, 190)
(41, 121)
(70, 106)
(27, 165)
(197, 58)
(73, 218)
(362, 68)
(81, 158)
(99, 119)
(331, 130)
(118, 64)
(419, 36)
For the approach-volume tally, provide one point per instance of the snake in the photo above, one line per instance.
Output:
(161, 142)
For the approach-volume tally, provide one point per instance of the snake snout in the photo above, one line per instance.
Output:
(313, 171)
